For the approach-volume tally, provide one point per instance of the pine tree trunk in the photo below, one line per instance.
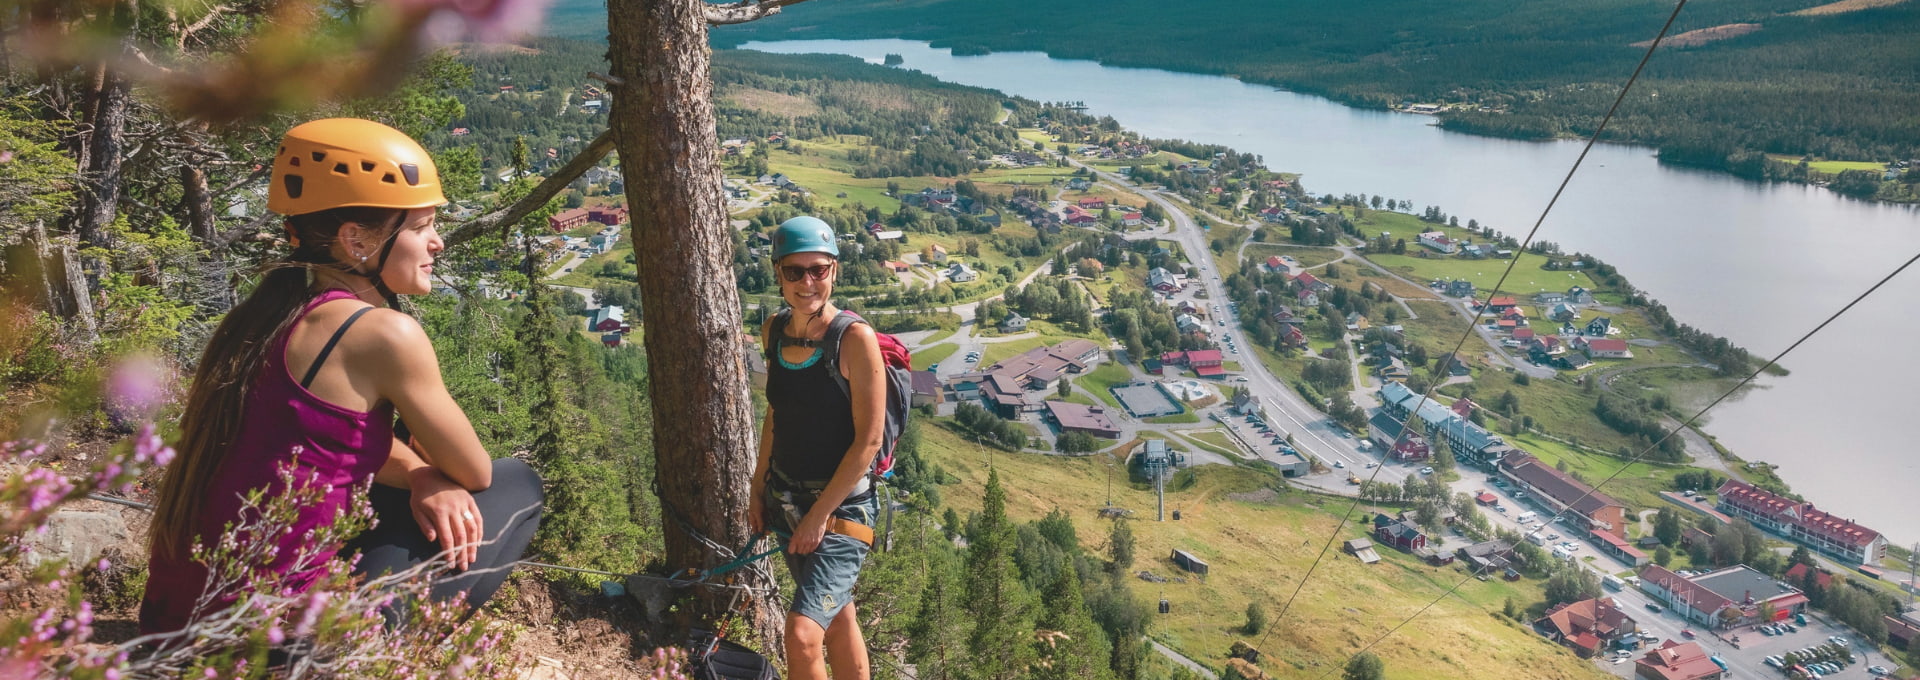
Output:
(704, 438)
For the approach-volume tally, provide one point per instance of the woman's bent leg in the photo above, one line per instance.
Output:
(510, 513)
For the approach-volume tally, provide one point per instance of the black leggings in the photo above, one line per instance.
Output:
(509, 511)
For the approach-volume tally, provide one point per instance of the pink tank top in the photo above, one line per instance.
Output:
(339, 446)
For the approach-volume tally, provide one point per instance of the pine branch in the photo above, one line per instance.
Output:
(501, 219)
(744, 11)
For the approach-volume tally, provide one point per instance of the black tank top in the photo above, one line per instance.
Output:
(812, 418)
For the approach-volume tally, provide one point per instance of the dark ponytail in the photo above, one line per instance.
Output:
(233, 360)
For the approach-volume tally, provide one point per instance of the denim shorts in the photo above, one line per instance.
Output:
(824, 578)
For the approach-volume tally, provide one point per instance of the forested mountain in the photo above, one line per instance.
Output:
(1838, 85)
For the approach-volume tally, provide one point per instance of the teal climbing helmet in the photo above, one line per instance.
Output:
(804, 234)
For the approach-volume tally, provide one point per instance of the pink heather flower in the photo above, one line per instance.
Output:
(478, 20)
(137, 388)
(6, 156)
(103, 565)
(275, 636)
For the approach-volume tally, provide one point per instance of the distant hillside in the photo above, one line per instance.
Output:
(1833, 85)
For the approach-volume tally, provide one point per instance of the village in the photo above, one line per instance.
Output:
(1226, 404)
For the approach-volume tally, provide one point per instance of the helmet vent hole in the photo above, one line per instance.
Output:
(366, 166)
(388, 178)
(339, 168)
(319, 156)
(294, 161)
(412, 172)
(294, 184)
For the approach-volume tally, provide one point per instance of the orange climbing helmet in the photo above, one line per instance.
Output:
(342, 162)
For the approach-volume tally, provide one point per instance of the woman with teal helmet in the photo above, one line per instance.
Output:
(818, 442)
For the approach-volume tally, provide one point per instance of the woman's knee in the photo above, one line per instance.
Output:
(804, 633)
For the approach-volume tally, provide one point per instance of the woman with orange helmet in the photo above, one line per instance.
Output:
(311, 369)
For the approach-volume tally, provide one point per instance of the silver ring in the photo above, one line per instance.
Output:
(467, 515)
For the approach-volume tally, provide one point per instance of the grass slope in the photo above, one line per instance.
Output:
(1259, 552)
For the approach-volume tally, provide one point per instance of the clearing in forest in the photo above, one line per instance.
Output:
(1844, 6)
(1702, 36)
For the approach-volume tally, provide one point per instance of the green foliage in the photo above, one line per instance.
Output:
(1120, 544)
(1570, 583)
(1000, 605)
(1364, 666)
(1076, 442)
(1069, 645)
(1256, 619)
(1666, 526)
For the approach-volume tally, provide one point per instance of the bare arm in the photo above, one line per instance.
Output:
(400, 464)
(402, 364)
(863, 368)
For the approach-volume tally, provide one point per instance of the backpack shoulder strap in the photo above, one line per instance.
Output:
(835, 331)
(776, 327)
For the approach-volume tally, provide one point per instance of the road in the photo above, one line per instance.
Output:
(1314, 433)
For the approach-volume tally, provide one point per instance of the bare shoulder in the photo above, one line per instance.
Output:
(392, 343)
(861, 337)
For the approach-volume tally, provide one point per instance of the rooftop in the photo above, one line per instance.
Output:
(1080, 416)
(1739, 583)
(1559, 485)
(1678, 661)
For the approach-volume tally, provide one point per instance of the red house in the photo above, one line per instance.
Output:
(1398, 534)
(1205, 363)
(610, 216)
(1092, 202)
(1500, 304)
(568, 220)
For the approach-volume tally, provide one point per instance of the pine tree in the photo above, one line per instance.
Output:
(1070, 645)
(995, 598)
(936, 634)
(1121, 541)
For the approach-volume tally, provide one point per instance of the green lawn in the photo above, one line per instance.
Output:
(1214, 440)
(587, 273)
(1830, 167)
(1176, 419)
(1101, 380)
(1259, 551)
(1527, 278)
(1638, 486)
(1000, 351)
(1561, 408)
(922, 358)
(1308, 257)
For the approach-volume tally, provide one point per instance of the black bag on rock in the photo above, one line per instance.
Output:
(717, 659)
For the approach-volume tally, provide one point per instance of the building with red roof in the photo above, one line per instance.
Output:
(1606, 348)
(1587, 626)
(1620, 548)
(1559, 491)
(1803, 523)
(1724, 598)
(1678, 661)
(1206, 363)
(568, 220)
(1501, 304)
(1092, 202)
(611, 216)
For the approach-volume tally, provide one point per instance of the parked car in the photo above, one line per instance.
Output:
(1654, 608)
(1371, 466)
(1426, 470)
(1339, 464)
(1688, 632)
(1775, 661)
(1878, 670)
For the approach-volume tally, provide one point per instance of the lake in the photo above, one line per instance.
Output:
(1757, 263)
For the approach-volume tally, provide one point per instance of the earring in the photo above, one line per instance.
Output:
(363, 258)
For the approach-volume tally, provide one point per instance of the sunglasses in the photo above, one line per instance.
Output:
(817, 272)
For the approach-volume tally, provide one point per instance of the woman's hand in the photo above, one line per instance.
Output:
(446, 514)
(812, 530)
(757, 514)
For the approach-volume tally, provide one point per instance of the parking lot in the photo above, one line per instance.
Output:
(1748, 660)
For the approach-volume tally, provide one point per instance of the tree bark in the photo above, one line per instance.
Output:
(704, 439)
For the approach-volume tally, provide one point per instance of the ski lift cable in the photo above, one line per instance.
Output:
(1452, 356)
